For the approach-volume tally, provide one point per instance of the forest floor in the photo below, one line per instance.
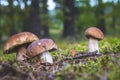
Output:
(81, 66)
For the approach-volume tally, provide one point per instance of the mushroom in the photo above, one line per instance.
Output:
(42, 48)
(18, 43)
(94, 35)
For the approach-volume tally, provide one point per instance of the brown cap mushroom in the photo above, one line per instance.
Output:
(94, 34)
(42, 47)
(18, 43)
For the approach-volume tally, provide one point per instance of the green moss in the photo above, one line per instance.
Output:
(110, 45)
(104, 67)
(7, 57)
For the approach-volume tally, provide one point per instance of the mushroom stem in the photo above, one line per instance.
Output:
(21, 53)
(93, 45)
(46, 57)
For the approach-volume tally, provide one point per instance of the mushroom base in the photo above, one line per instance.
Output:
(46, 57)
(21, 53)
(93, 45)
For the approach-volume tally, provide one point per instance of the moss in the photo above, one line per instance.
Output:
(104, 67)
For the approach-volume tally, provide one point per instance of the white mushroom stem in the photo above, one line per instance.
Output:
(46, 57)
(93, 45)
(21, 53)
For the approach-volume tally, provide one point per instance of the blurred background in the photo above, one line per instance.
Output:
(59, 19)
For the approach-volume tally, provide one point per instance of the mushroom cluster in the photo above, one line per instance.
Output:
(94, 35)
(28, 45)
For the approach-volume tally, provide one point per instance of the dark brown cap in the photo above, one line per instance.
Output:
(19, 39)
(94, 32)
(40, 46)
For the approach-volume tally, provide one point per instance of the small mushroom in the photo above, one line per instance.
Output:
(42, 47)
(18, 43)
(94, 35)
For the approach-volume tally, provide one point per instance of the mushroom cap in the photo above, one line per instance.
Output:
(94, 32)
(40, 46)
(18, 39)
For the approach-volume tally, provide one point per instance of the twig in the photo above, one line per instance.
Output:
(90, 54)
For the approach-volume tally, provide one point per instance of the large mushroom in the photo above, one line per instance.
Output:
(42, 47)
(18, 43)
(94, 35)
